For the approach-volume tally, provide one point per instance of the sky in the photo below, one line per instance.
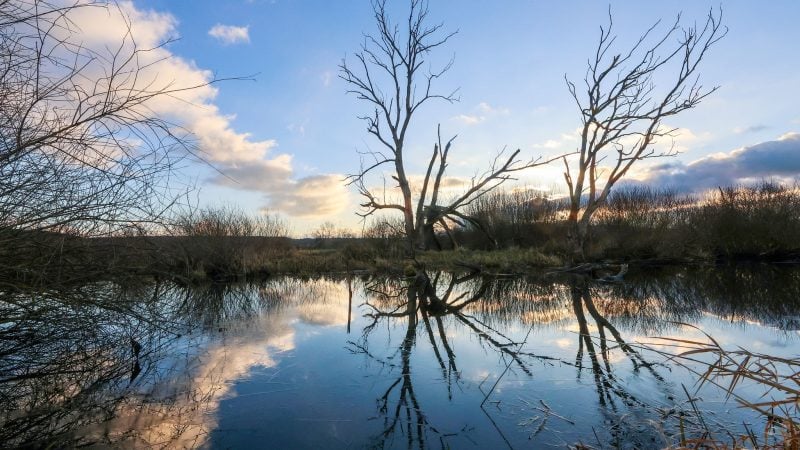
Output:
(281, 133)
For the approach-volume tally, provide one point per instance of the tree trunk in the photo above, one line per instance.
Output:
(578, 239)
(424, 234)
(429, 237)
(408, 210)
(574, 240)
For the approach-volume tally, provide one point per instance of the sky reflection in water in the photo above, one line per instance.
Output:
(274, 365)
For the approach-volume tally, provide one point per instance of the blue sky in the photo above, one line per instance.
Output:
(301, 130)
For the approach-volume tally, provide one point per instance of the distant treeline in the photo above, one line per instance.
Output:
(218, 243)
(760, 221)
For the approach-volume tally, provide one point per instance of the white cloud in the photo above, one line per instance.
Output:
(99, 26)
(680, 140)
(491, 110)
(260, 176)
(326, 78)
(549, 144)
(314, 196)
(299, 129)
(540, 110)
(247, 163)
(191, 100)
(230, 34)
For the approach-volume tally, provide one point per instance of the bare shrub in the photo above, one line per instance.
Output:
(226, 243)
(760, 220)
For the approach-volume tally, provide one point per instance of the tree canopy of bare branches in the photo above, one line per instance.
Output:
(623, 113)
(81, 150)
(391, 74)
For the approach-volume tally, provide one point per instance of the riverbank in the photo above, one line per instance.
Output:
(504, 262)
(53, 260)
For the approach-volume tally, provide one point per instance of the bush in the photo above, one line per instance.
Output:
(519, 218)
(224, 243)
(758, 221)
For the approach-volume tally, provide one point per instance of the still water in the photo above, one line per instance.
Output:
(362, 362)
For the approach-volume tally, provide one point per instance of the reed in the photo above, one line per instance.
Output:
(776, 381)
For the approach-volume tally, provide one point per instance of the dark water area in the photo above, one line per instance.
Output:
(353, 362)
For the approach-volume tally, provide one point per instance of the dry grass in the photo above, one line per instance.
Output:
(760, 221)
(507, 261)
(362, 258)
(776, 381)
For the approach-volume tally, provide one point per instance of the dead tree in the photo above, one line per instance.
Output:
(389, 75)
(623, 114)
(430, 211)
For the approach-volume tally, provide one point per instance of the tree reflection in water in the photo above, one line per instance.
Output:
(429, 302)
(608, 321)
(625, 422)
(609, 387)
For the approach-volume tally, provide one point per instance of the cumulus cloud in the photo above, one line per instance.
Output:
(778, 159)
(549, 144)
(247, 163)
(98, 27)
(313, 196)
(230, 34)
(261, 176)
(492, 110)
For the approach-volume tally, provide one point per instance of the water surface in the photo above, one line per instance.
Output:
(373, 362)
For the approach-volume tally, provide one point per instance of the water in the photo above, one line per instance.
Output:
(358, 362)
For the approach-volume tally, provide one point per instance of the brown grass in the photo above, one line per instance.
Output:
(777, 378)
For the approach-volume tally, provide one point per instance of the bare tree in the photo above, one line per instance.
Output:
(622, 112)
(81, 150)
(390, 76)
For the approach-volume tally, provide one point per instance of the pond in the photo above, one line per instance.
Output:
(446, 361)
